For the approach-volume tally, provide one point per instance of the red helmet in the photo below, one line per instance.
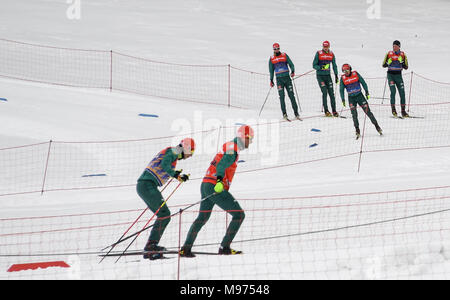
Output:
(276, 46)
(346, 67)
(245, 131)
(326, 44)
(188, 145)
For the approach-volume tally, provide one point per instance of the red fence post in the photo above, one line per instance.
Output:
(226, 221)
(46, 167)
(179, 244)
(384, 90)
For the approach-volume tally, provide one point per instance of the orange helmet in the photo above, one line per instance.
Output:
(245, 131)
(188, 145)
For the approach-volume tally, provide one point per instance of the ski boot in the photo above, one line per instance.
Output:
(327, 114)
(153, 247)
(405, 114)
(358, 133)
(335, 114)
(228, 251)
(285, 116)
(186, 252)
(378, 128)
(298, 117)
(394, 112)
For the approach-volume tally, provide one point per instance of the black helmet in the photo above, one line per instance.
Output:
(396, 42)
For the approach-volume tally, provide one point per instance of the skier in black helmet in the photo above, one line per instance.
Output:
(396, 61)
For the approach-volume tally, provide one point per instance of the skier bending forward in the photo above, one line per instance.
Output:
(217, 182)
(156, 174)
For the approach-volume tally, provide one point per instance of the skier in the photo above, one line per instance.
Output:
(157, 173)
(321, 64)
(217, 182)
(352, 81)
(279, 63)
(396, 61)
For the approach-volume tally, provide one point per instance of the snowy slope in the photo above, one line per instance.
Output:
(58, 117)
(222, 32)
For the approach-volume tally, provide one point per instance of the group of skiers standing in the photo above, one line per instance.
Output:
(395, 60)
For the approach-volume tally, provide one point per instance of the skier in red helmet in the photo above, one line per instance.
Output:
(279, 63)
(156, 174)
(217, 182)
(352, 81)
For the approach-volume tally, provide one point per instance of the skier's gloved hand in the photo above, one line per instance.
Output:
(177, 173)
(400, 59)
(326, 67)
(183, 177)
(218, 188)
(367, 95)
(271, 83)
(389, 61)
(343, 103)
(292, 75)
(336, 79)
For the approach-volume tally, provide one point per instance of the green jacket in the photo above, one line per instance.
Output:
(342, 87)
(319, 69)
(400, 66)
(228, 158)
(272, 68)
(171, 155)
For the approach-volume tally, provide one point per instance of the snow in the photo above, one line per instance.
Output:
(325, 205)
(222, 32)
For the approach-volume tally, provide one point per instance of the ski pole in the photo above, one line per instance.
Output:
(384, 91)
(172, 215)
(342, 109)
(135, 221)
(113, 245)
(296, 93)
(193, 204)
(156, 212)
(340, 114)
(335, 97)
(268, 93)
